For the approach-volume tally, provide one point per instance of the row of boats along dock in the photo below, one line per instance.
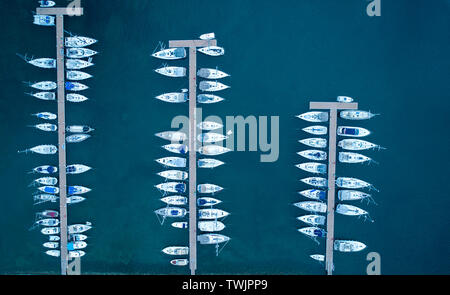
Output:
(62, 240)
(321, 198)
(207, 144)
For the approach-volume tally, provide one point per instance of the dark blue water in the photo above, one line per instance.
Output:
(281, 55)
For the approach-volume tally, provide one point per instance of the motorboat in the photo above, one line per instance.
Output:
(207, 201)
(75, 199)
(44, 149)
(173, 174)
(316, 130)
(209, 125)
(43, 198)
(76, 253)
(176, 148)
(211, 73)
(75, 86)
(43, 95)
(176, 162)
(314, 142)
(356, 115)
(44, 20)
(315, 117)
(315, 181)
(45, 169)
(176, 250)
(209, 163)
(313, 167)
(80, 52)
(172, 135)
(314, 194)
(213, 150)
(316, 155)
(48, 189)
(78, 237)
(318, 257)
(173, 97)
(77, 169)
(79, 228)
(312, 206)
(313, 231)
(180, 224)
(78, 137)
(78, 41)
(212, 213)
(47, 214)
(172, 71)
(44, 85)
(207, 36)
(45, 127)
(172, 187)
(208, 188)
(346, 157)
(349, 182)
(78, 64)
(357, 144)
(352, 131)
(211, 137)
(209, 98)
(54, 253)
(352, 195)
(53, 238)
(175, 200)
(45, 115)
(50, 230)
(77, 75)
(212, 50)
(75, 97)
(171, 212)
(208, 239)
(79, 129)
(210, 226)
(51, 245)
(77, 190)
(171, 53)
(348, 246)
(345, 99)
(46, 3)
(212, 86)
(312, 219)
(76, 245)
(179, 262)
(350, 210)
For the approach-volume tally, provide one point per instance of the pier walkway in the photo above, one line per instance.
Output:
(192, 46)
(331, 198)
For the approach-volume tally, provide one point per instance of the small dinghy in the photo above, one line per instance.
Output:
(211, 73)
(174, 72)
(75, 97)
(45, 169)
(171, 212)
(313, 167)
(45, 127)
(77, 169)
(357, 145)
(43, 198)
(176, 250)
(351, 210)
(79, 137)
(209, 239)
(50, 230)
(76, 253)
(46, 3)
(176, 148)
(210, 226)
(315, 181)
(356, 115)
(315, 117)
(312, 219)
(77, 75)
(171, 53)
(49, 189)
(348, 246)
(352, 195)
(79, 228)
(349, 182)
(74, 199)
(209, 163)
(78, 41)
(179, 262)
(78, 237)
(208, 36)
(80, 52)
(212, 50)
(316, 155)
(43, 95)
(209, 125)
(172, 187)
(316, 130)
(314, 194)
(45, 149)
(45, 115)
(173, 97)
(173, 174)
(175, 200)
(209, 98)
(314, 142)
(78, 64)
(345, 99)
(212, 86)
(51, 245)
(77, 190)
(318, 257)
(213, 150)
(76, 245)
(312, 206)
(43, 20)
(54, 253)
(175, 162)
(208, 188)
(172, 135)
(345, 157)
(75, 86)
(352, 131)
(44, 85)
(180, 224)
(207, 201)
(211, 137)
(212, 213)
(79, 129)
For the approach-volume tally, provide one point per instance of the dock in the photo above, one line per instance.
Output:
(59, 15)
(192, 50)
(331, 197)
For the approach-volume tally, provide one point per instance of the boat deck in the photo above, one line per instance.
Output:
(331, 198)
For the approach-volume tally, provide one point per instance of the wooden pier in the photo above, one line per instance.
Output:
(331, 197)
(59, 15)
(192, 47)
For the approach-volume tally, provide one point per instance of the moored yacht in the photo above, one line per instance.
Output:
(44, 20)
(45, 169)
(43, 95)
(211, 137)
(45, 115)
(43, 198)
(179, 262)
(45, 181)
(78, 41)
(212, 86)
(77, 169)
(44, 85)
(208, 98)
(316, 130)
(48, 189)
(173, 174)
(173, 97)
(171, 53)
(78, 64)
(357, 144)
(346, 157)
(211, 225)
(312, 206)
(315, 181)
(209, 125)
(213, 150)
(176, 250)
(75, 86)
(314, 142)
(44, 149)
(172, 71)
(172, 187)
(172, 135)
(345, 99)
(356, 115)
(175, 200)
(45, 127)
(171, 212)
(75, 199)
(352, 131)
(50, 230)
(348, 246)
(80, 52)
(180, 224)
(315, 117)
(318, 257)
(313, 167)
(51, 245)
(77, 190)
(209, 163)
(208, 239)
(349, 182)
(207, 201)
(75, 97)
(314, 194)
(78, 228)
(176, 148)
(313, 231)
(78, 137)
(352, 195)
(312, 219)
(77, 75)
(350, 210)
(212, 50)
(79, 129)
(316, 155)
(46, 3)
(212, 213)
(208, 188)
(76, 245)
(211, 73)
(175, 162)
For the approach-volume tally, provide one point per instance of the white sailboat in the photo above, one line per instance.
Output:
(353, 195)
(45, 169)
(172, 187)
(352, 131)
(314, 194)
(43, 20)
(346, 157)
(175, 162)
(208, 239)
(171, 212)
(357, 145)
(211, 226)
(315, 181)
(345, 99)
(78, 64)
(211, 137)
(43, 95)
(75, 97)
(172, 135)
(77, 75)
(208, 188)
(212, 50)
(80, 52)
(79, 129)
(207, 201)
(348, 246)
(209, 98)
(173, 174)
(78, 41)
(173, 97)
(175, 200)
(170, 53)
(44, 149)
(212, 213)
(313, 167)
(44, 85)
(316, 130)
(312, 219)
(315, 117)
(77, 169)
(79, 228)
(211, 73)
(209, 163)
(353, 183)
(174, 72)
(316, 155)
(312, 206)
(356, 115)
(314, 142)
(213, 150)
(209, 125)
(45, 127)
(212, 86)
(176, 250)
(45, 115)
(176, 148)
(208, 36)
(78, 137)
(75, 86)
